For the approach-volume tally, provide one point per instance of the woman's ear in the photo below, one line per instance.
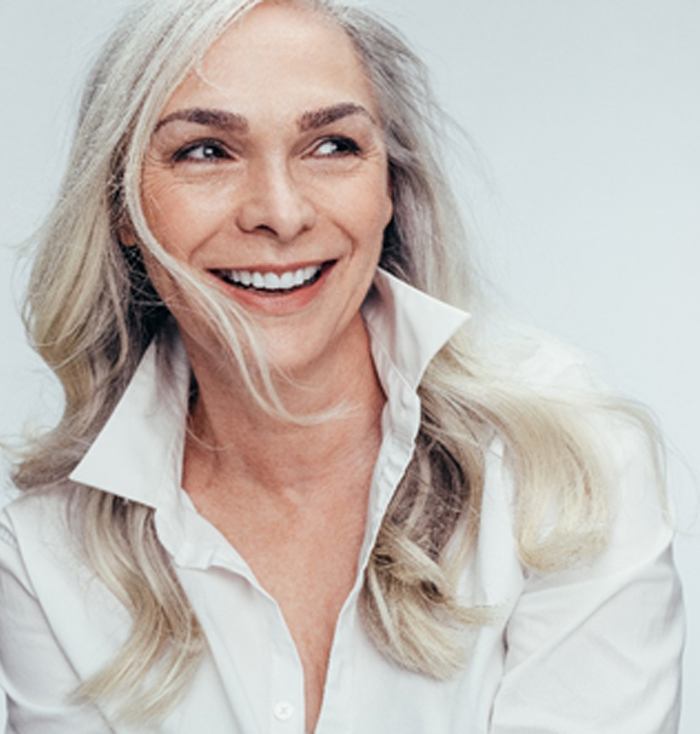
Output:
(126, 235)
(390, 204)
(390, 193)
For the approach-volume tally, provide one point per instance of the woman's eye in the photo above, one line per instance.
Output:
(336, 147)
(202, 152)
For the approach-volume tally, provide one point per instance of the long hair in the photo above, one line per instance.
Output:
(91, 311)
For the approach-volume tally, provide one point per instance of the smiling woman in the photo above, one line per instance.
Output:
(290, 489)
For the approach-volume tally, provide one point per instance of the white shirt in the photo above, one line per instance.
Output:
(591, 650)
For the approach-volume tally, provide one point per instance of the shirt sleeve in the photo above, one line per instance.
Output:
(598, 648)
(35, 673)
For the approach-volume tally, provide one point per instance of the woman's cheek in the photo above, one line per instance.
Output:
(183, 214)
(364, 201)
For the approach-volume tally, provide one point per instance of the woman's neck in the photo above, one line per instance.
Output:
(232, 436)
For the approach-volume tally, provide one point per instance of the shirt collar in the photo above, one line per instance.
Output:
(408, 325)
(138, 453)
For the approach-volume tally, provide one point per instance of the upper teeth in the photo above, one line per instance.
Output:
(272, 281)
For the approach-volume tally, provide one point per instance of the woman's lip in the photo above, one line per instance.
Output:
(278, 303)
(276, 269)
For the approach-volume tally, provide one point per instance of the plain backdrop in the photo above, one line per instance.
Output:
(581, 182)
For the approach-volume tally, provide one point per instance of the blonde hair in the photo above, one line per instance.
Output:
(91, 311)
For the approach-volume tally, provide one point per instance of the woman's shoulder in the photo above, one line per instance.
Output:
(34, 505)
(562, 409)
(35, 528)
(541, 361)
(41, 555)
(575, 381)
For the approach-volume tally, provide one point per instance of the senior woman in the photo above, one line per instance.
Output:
(288, 492)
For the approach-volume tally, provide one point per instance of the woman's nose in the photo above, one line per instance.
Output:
(274, 204)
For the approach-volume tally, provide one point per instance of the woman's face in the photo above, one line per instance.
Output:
(268, 173)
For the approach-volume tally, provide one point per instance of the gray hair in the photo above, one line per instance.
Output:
(91, 311)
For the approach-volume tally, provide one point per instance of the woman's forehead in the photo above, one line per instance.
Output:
(278, 55)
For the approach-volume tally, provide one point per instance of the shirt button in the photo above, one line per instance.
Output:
(283, 710)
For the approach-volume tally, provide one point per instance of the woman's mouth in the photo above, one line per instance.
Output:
(276, 291)
(265, 282)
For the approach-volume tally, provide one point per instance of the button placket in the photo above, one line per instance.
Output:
(338, 692)
(287, 682)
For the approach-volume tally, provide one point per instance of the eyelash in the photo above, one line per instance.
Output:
(183, 154)
(348, 147)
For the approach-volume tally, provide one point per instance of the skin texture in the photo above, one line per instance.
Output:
(267, 179)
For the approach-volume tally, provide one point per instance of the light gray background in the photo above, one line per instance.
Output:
(584, 194)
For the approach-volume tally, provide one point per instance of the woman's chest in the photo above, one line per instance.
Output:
(309, 574)
(255, 677)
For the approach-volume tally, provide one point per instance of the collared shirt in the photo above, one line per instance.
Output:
(591, 649)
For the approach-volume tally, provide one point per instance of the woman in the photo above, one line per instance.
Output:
(288, 491)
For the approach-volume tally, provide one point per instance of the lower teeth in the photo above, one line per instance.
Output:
(273, 290)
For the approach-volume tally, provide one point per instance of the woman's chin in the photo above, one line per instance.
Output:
(292, 358)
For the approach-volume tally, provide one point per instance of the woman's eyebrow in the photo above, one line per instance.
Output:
(326, 115)
(211, 118)
(237, 123)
